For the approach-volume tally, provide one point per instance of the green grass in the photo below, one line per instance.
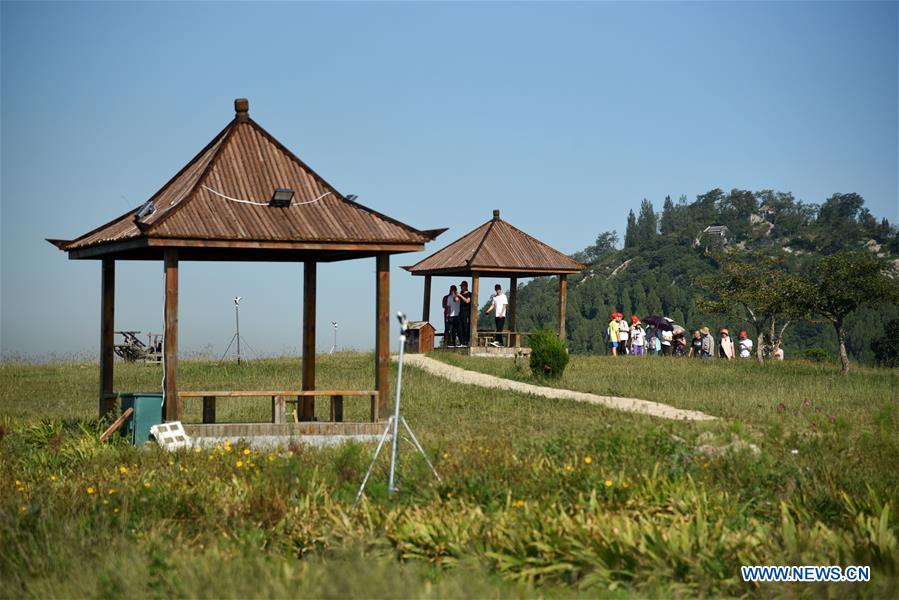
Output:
(539, 497)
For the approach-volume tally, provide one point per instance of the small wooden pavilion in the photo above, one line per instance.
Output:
(497, 249)
(246, 197)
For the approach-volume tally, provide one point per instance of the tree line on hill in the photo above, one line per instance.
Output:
(713, 261)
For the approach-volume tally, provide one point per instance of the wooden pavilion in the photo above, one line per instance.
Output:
(245, 197)
(497, 249)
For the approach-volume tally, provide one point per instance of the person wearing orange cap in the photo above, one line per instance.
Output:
(624, 334)
(745, 345)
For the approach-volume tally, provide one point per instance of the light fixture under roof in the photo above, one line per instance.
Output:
(281, 197)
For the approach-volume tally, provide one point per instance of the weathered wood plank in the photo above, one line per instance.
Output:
(264, 393)
(337, 408)
(307, 410)
(173, 408)
(208, 407)
(382, 331)
(475, 310)
(426, 302)
(107, 337)
(563, 300)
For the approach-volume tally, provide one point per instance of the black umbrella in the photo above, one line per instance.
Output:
(659, 323)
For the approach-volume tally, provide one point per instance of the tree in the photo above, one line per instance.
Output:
(647, 224)
(886, 348)
(630, 234)
(666, 223)
(757, 290)
(842, 282)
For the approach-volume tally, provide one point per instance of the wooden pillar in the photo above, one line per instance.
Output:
(563, 299)
(513, 311)
(307, 405)
(172, 410)
(382, 332)
(475, 312)
(426, 303)
(107, 336)
(209, 409)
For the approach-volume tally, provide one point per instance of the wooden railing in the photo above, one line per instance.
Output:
(281, 398)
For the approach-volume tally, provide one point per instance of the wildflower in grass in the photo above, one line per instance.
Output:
(171, 462)
(18, 483)
(21, 488)
(147, 485)
(52, 477)
(22, 509)
(116, 509)
(445, 455)
(89, 489)
(587, 460)
(238, 464)
(110, 491)
(449, 495)
(123, 469)
(624, 485)
(105, 502)
(608, 483)
(270, 457)
(568, 467)
(246, 451)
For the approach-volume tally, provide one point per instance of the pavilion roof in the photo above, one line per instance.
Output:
(498, 248)
(220, 200)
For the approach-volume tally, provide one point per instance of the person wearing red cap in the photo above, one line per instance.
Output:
(745, 345)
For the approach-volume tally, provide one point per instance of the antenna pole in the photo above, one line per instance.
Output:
(237, 322)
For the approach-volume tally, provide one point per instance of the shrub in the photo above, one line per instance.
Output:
(549, 356)
(816, 355)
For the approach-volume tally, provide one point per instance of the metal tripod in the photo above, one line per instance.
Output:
(237, 337)
(393, 426)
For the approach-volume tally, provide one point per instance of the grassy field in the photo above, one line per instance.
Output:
(539, 497)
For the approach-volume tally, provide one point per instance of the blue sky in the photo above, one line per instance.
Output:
(563, 116)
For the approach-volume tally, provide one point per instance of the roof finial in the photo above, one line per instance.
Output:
(496, 214)
(242, 109)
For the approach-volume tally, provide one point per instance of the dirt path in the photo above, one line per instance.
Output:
(643, 407)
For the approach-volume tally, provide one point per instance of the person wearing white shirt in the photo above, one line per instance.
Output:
(745, 345)
(498, 303)
(451, 334)
(624, 332)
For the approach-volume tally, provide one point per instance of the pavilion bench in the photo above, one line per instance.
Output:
(280, 400)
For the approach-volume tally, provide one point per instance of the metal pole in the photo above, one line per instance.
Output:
(396, 407)
(237, 321)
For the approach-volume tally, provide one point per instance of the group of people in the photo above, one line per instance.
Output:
(457, 315)
(667, 339)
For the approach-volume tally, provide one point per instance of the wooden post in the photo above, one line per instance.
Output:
(209, 409)
(475, 312)
(107, 336)
(563, 299)
(172, 408)
(279, 409)
(426, 303)
(336, 409)
(382, 331)
(307, 406)
(513, 311)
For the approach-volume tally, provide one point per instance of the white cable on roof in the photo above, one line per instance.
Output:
(209, 189)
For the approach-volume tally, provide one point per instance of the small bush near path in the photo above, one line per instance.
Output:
(548, 355)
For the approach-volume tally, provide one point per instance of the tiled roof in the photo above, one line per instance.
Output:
(223, 192)
(496, 246)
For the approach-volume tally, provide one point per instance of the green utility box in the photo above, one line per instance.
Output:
(147, 413)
